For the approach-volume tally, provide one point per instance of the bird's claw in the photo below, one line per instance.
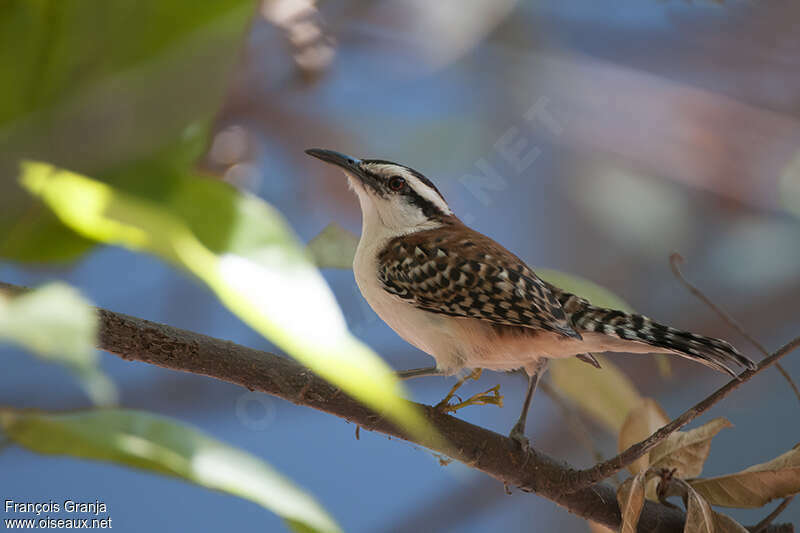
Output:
(444, 405)
(488, 397)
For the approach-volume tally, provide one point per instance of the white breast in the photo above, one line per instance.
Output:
(409, 322)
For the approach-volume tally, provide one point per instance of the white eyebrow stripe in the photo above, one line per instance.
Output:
(427, 193)
(414, 182)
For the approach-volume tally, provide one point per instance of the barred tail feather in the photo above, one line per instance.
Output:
(714, 353)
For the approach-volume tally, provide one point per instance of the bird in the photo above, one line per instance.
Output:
(471, 304)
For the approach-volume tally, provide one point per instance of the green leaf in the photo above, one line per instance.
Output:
(605, 394)
(245, 252)
(123, 91)
(642, 421)
(754, 486)
(57, 324)
(144, 441)
(630, 497)
(687, 451)
(333, 247)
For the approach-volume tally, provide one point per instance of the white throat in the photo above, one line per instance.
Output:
(380, 225)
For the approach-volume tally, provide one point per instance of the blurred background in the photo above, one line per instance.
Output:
(588, 138)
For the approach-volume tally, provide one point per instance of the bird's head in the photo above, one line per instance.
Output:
(398, 197)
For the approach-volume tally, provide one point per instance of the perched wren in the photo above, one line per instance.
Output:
(461, 297)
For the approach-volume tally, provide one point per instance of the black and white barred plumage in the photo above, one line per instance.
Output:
(711, 352)
(460, 273)
(453, 276)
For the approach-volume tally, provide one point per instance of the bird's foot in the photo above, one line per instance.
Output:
(518, 435)
(475, 374)
(488, 397)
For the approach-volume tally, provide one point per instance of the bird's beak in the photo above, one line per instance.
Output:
(348, 163)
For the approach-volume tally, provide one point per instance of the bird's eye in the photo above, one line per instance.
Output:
(396, 183)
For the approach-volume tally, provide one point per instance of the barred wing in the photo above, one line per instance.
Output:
(461, 273)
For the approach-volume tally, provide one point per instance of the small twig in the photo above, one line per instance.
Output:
(675, 260)
(665, 487)
(761, 526)
(584, 478)
(576, 423)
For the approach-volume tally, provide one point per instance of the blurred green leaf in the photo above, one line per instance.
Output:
(245, 252)
(333, 247)
(57, 324)
(633, 210)
(605, 394)
(144, 441)
(120, 91)
(755, 486)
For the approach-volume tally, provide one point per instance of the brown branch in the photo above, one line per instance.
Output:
(675, 260)
(762, 526)
(496, 455)
(584, 478)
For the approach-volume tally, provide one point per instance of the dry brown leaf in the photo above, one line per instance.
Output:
(754, 486)
(687, 451)
(606, 395)
(640, 423)
(699, 516)
(630, 496)
(726, 524)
